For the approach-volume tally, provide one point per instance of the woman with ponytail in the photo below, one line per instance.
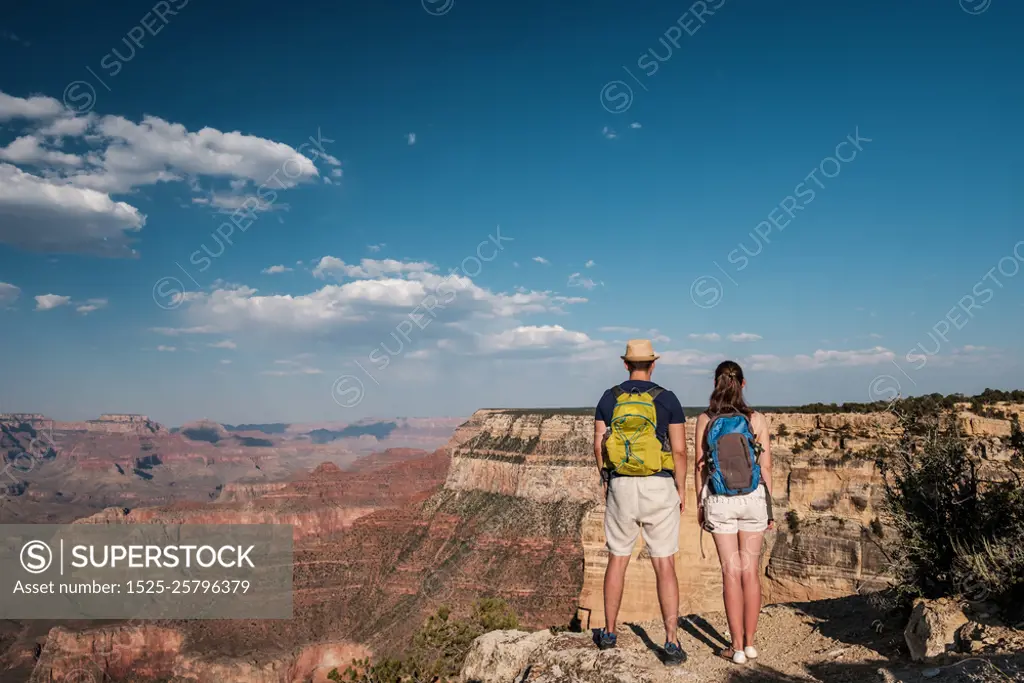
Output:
(734, 503)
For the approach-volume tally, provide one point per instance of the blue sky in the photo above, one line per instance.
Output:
(645, 171)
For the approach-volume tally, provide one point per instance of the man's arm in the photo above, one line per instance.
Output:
(677, 438)
(599, 429)
(601, 416)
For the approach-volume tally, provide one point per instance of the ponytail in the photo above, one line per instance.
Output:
(728, 394)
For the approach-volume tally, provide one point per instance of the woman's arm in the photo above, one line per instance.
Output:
(764, 437)
(698, 458)
(763, 434)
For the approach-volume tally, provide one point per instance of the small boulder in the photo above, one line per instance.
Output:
(500, 656)
(932, 629)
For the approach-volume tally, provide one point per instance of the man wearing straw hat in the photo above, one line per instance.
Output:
(640, 447)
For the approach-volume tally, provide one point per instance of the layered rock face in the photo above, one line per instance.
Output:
(150, 652)
(329, 500)
(826, 502)
(350, 578)
(59, 471)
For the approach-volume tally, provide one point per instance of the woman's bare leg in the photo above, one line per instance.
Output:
(750, 577)
(732, 585)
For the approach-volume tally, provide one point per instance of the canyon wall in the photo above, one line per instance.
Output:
(326, 501)
(351, 579)
(146, 651)
(827, 498)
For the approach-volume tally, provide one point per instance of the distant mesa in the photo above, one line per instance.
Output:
(111, 423)
(254, 442)
(204, 430)
(270, 428)
(379, 430)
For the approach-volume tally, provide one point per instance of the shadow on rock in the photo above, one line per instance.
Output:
(859, 620)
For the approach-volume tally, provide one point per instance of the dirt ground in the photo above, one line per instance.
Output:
(831, 641)
(828, 641)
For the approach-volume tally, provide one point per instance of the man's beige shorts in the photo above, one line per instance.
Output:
(647, 505)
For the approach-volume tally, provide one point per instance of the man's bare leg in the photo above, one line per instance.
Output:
(614, 582)
(668, 594)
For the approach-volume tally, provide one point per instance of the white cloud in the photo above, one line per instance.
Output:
(225, 361)
(608, 133)
(410, 138)
(91, 305)
(744, 337)
(178, 331)
(690, 358)
(36, 107)
(223, 344)
(970, 348)
(367, 268)
(450, 310)
(274, 270)
(156, 150)
(8, 294)
(293, 366)
(28, 149)
(658, 337)
(67, 206)
(534, 338)
(706, 336)
(45, 215)
(820, 359)
(169, 349)
(46, 302)
(619, 330)
(875, 335)
(376, 247)
(68, 126)
(635, 125)
(542, 260)
(364, 304)
(336, 172)
(227, 202)
(576, 280)
(589, 264)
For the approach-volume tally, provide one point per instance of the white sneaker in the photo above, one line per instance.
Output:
(739, 657)
(750, 651)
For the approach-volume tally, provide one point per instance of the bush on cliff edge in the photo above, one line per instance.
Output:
(438, 648)
(959, 535)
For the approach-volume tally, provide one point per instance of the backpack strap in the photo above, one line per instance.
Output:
(655, 391)
(617, 391)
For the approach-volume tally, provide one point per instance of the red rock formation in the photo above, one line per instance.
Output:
(328, 500)
(149, 652)
(330, 602)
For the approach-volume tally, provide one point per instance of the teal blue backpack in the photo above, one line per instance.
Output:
(732, 452)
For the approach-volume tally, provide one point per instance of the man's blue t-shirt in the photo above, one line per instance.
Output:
(666, 405)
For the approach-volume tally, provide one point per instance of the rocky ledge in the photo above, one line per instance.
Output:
(840, 641)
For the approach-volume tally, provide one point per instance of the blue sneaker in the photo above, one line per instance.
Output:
(674, 654)
(605, 640)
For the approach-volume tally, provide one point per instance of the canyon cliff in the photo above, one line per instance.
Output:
(827, 498)
(512, 508)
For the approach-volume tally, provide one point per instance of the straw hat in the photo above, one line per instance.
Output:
(640, 350)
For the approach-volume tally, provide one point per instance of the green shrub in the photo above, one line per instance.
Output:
(958, 534)
(438, 648)
(876, 528)
(793, 520)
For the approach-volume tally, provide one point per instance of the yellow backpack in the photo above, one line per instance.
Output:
(632, 447)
